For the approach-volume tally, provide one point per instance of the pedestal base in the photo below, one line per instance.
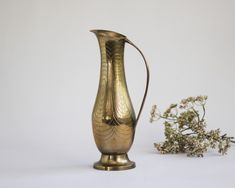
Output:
(114, 162)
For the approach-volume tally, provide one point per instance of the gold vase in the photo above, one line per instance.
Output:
(113, 117)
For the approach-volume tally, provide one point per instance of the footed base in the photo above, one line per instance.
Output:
(114, 162)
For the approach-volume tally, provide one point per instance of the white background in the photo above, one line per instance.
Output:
(49, 72)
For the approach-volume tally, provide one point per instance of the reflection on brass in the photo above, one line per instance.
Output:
(113, 117)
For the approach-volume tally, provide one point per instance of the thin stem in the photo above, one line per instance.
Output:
(198, 117)
(185, 129)
(204, 112)
(231, 138)
(174, 119)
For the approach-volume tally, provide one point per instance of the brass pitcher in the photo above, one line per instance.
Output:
(113, 117)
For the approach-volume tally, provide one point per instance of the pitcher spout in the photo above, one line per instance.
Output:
(108, 34)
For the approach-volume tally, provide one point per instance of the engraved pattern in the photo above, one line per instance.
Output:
(113, 117)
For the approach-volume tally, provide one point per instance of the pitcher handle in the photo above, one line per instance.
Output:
(147, 79)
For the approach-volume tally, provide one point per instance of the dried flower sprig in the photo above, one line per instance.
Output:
(185, 129)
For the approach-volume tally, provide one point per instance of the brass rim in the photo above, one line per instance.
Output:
(108, 34)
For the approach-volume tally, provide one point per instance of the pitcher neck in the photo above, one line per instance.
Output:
(111, 46)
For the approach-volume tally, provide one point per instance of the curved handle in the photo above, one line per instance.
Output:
(147, 79)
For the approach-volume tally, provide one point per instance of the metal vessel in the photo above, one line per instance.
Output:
(113, 118)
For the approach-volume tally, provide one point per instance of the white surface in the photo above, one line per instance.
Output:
(153, 170)
(49, 70)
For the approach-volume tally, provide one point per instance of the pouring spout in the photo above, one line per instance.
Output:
(108, 34)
